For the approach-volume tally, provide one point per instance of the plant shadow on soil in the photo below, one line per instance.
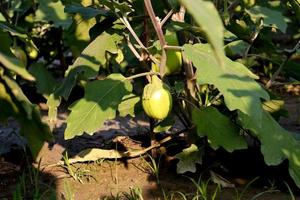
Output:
(110, 177)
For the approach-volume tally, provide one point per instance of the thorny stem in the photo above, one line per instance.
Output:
(158, 29)
(290, 53)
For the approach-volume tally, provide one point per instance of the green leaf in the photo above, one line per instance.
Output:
(14, 31)
(80, 36)
(7, 106)
(18, 32)
(128, 105)
(235, 82)
(277, 144)
(207, 16)
(94, 55)
(49, 10)
(219, 130)
(164, 125)
(270, 17)
(45, 83)
(6, 42)
(69, 82)
(236, 48)
(27, 114)
(188, 159)
(85, 12)
(16, 66)
(100, 103)
(122, 8)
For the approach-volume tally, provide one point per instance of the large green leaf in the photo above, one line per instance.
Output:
(277, 144)
(99, 103)
(270, 17)
(207, 16)
(49, 10)
(45, 83)
(16, 66)
(235, 81)
(218, 128)
(80, 37)
(94, 55)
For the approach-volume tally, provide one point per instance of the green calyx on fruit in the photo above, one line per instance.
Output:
(157, 99)
(174, 57)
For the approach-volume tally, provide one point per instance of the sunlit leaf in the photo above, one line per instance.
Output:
(270, 17)
(49, 10)
(16, 66)
(93, 56)
(207, 17)
(164, 125)
(188, 159)
(100, 103)
(128, 105)
(235, 82)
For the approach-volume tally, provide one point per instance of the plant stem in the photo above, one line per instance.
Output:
(178, 48)
(158, 29)
(270, 82)
(129, 27)
(141, 75)
(133, 50)
(290, 53)
(167, 17)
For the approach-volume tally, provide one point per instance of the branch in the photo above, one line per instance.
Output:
(158, 29)
(290, 53)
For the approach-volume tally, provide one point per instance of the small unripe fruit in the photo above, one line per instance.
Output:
(174, 57)
(32, 52)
